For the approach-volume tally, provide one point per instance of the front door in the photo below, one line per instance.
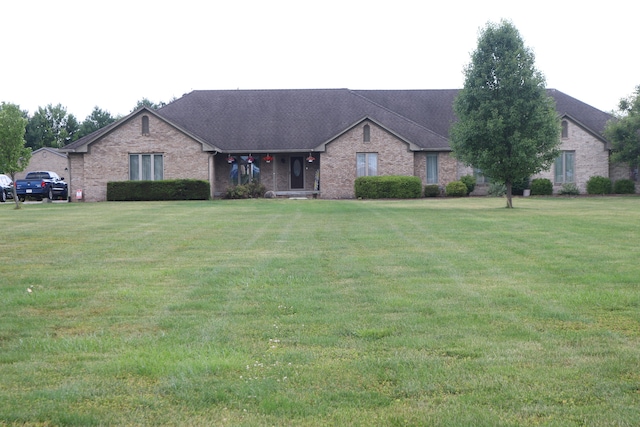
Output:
(297, 173)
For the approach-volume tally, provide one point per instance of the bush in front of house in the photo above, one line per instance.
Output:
(388, 187)
(497, 189)
(624, 186)
(470, 182)
(251, 190)
(431, 190)
(569, 189)
(518, 186)
(171, 189)
(541, 187)
(456, 189)
(599, 185)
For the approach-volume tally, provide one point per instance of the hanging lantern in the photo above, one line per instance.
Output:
(310, 159)
(230, 159)
(250, 159)
(268, 158)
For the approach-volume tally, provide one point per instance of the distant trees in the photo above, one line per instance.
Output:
(624, 131)
(51, 126)
(96, 120)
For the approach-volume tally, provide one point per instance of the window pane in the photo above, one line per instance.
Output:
(432, 168)
(146, 167)
(568, 166)
(157, 167)
(233, 174)
(373, 164)
(559, 173)
(134, 167)
(362, 165)
(256, 170)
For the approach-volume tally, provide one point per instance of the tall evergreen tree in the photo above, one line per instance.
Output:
(507, 124)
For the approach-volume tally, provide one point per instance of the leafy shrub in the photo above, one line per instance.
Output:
(541, 187)
(470, 182)
(252, 190)
(456, 189)
(599, 185)
(431, 190)
(518, 186)
(569, 189)
(388, 187)
(171, 189)
(624, 186)
(497, 189)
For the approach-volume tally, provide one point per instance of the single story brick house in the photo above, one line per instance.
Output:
(309, 141)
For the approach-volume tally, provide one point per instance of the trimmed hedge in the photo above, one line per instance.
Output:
(172, 189)
(456, 189)
(431, 190)
(251, 190)
(541, 187)
(599, 185)
(624, 186)
(388, 187)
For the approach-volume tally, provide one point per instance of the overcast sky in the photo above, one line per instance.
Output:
(111, 54)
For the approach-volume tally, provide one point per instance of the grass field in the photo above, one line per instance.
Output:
(434, 312)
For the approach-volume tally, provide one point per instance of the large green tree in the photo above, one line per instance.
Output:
(14, 156)
(624, 131)
(507, 124)
(96, 120)
(51, 126)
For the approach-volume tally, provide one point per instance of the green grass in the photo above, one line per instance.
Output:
(286, 312)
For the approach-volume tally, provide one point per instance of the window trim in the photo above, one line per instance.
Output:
(561, 161)
(432, 180)
(154, 174)
(363, 163)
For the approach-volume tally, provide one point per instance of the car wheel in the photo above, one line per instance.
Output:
(50, 193)
(21, 198)
(3, 196)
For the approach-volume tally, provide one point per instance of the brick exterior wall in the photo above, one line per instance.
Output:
(108, 159)
(338, 166)
(591, 157)
(45, 160)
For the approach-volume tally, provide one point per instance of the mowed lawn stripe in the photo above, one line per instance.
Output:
(313, 312)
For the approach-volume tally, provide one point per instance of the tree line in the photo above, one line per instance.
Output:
(52, 126)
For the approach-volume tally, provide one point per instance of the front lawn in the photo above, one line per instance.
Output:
(308, 312)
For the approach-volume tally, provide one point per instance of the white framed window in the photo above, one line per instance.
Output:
(146, 167)
(432, 168)
(367, 164)
(565, 167)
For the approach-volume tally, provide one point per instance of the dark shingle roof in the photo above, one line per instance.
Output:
(300, 119)
(307, 119)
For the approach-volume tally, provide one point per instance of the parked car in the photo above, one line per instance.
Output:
(6, 188)
(40, 185)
